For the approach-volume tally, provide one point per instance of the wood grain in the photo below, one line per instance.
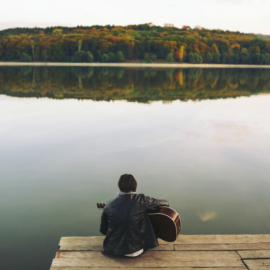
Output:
(248, 246)
(98, 248)
(182, 239)
(150, 259)
(175, 268)
(255, 254)
(258, 264)
(189, 252)
(222, 239)
(79, 262)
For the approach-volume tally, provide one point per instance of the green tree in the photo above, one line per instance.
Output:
(88, 57)
(198, 58)
(44, 55)
(257, 58)
(105, 58)
(224, 57)
(1, 50)
(209, 57)
(153, 57)
(216, 58)
(57, 31)
(83, 56)
(146, 56)
(120, 56)
(33, 49)
(215, 53)
(25, 58)
(112, 57)
(244, 56)
(267, 59)
(169, 57)
(234, 58)
(191, 58)
(79, 45)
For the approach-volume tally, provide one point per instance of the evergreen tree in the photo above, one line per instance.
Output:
(120, 56)
(191, 58)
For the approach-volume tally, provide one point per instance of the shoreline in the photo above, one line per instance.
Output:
(143, 65)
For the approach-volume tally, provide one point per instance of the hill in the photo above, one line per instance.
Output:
(133, 42)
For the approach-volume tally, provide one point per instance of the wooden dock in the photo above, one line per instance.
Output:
(189, 252)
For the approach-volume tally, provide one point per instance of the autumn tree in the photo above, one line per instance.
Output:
(181, 55)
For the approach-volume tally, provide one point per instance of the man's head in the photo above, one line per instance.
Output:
(127, 183)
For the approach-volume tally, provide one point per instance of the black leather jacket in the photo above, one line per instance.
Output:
(126, 224)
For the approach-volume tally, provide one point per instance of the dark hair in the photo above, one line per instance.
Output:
(127, 183)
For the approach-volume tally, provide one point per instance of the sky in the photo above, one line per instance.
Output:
(248, 16)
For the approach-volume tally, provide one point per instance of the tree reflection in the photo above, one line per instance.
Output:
(136, 85)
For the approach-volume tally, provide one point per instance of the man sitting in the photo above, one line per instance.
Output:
(126, 223)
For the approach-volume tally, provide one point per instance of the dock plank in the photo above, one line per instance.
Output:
(255, 254)
(175, 268)
(238, 247)
(189, 252)
(150, 259)
(258, 264)
(81, 241)
(182, 239)
(221, 239)
(181, 255)
(98, 247)
(79, 262)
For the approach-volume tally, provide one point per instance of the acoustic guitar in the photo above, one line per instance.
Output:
(166, 222)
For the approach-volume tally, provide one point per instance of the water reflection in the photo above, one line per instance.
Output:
(138, 85)
(208, 216)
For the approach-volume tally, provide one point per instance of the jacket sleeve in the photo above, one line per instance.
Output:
(153, 204)
(104, 223)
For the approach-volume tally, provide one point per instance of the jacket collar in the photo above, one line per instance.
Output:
(120, 193)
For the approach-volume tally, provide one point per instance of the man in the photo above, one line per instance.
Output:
(126, 223)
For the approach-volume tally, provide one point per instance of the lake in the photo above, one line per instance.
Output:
(199, 138)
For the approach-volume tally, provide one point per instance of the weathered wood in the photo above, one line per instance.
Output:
(81, 241)
(125, 263)
(247, 246)
(89, 240)
(175, 268)
(189, 252)
(181, 255)
(150, 259)
(98, 247)
(80, 247)
(221, 239)
(255, 254)
(182, 239)
(258, 264)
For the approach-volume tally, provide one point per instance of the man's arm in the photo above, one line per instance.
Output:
(153, 204)
(104, 223)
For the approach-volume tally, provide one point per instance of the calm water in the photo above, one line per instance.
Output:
(64, 151)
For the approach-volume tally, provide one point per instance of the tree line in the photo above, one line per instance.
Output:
(135, 85)
(132, 43)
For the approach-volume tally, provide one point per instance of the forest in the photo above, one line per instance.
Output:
(141, 43)
(134, 85)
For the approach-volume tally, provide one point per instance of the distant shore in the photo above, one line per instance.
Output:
(150, 65)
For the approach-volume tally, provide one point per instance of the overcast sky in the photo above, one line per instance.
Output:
(251, 16)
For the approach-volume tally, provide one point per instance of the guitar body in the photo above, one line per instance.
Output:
(166, 223)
